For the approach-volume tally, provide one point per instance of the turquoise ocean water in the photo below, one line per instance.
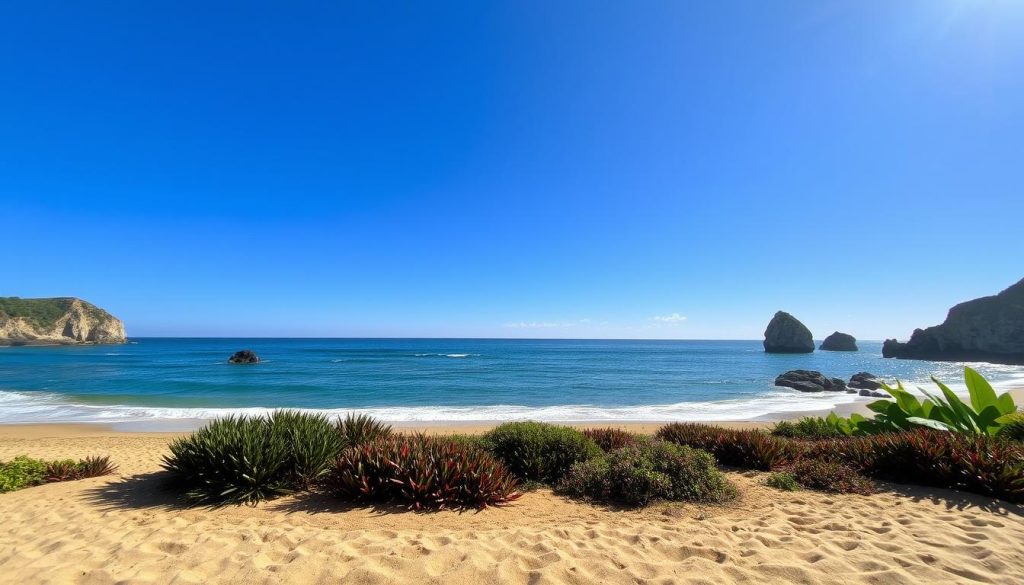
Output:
(160, 379)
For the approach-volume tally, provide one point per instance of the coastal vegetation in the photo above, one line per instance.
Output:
(942, 442)
(22, 471)
(645, 471)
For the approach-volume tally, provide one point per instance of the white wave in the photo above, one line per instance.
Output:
(29, 407)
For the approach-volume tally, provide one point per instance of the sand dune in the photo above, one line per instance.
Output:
(126, 530)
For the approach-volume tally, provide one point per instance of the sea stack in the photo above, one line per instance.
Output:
(56, 321)
(245, 356)
(786, 334)
(839, 342)
(988, 329)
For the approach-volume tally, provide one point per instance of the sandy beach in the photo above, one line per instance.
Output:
(125, 529)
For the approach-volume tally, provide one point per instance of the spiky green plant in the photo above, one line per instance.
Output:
(312, 444)
(95, 466)
(749, 449)
(359, 429)
(231, 460)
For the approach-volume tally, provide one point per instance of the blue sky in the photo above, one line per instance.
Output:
(520, 169)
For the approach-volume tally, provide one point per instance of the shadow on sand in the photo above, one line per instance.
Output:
(954, 500)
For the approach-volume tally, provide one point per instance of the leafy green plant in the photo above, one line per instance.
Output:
(423, 472)
(810, 427)
(610, 439)
(231, 460)
(359, 429)
(646, 471)
(782, 480)
(830, 476)
(749, 449)
(1012, 427)
(536, 451)
(984, 415)
(21, 472)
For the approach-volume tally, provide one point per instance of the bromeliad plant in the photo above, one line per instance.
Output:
(421, 472)
(984, 415)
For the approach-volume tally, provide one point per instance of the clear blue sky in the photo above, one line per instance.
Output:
(520, 169)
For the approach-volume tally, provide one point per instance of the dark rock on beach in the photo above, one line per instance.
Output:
(839, 342)
(864, 381)
(989, 329)
(786, 334)
(810, 381)
(246, 356)
(866, 392)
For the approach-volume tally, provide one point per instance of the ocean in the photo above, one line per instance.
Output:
(163, 379)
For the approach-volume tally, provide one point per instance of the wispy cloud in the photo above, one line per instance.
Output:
(546, 324)
(674, 318)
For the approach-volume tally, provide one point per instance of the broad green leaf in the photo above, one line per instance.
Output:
(987, 420)
(982, 394)
(927, 422)
(880, 406)
(1005, 404)
(961, 414)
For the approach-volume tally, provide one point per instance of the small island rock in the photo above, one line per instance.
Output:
(839, 342)
(786, 334)
(810, 381)
(246, 356)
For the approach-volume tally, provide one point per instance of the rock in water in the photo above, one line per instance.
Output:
(810, 381)
(864, 381)
(786, 334)
(989, 329)
(839, 342)
(246, 356)
(61, 320)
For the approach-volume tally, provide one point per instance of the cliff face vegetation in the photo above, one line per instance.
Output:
(63, 320)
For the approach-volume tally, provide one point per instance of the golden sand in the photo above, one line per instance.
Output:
(124, 529)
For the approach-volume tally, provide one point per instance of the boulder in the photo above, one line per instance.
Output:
(873, 394)
(839, 342)
(864, 381)
(989, 329)
(786, 334)
(246, 356)
(810, 381)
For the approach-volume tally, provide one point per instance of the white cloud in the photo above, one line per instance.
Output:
(674, 318)
(546, 324)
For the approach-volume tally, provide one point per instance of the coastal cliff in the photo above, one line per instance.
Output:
(989, 329)
(63, 320)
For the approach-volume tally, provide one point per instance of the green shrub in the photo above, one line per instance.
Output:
(311, 445)
(423, 472)
(24, 471)
(808, 427)
(610, 439)
(1013, 427)
(749, 449)
(541, 452)
(359, 429)
(231, 460)
(21, 472)
(646, 471)
(782, 480)
(830, 476)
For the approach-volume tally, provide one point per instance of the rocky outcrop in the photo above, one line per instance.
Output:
(245, 356)
(810, 381)
(874, 394)
(786, 334)
(63, 320)
(989, 329)
(864, 381)
(839, 342)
